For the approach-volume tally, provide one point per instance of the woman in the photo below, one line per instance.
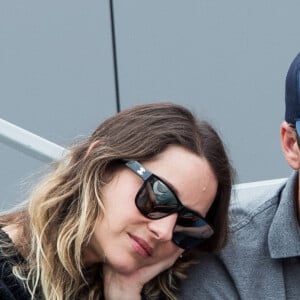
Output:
(124, 213)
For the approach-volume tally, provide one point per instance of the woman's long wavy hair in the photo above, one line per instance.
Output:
(60, 216)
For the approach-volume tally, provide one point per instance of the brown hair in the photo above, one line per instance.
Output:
(63, 209)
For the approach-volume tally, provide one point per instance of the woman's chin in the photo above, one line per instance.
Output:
(124, 266)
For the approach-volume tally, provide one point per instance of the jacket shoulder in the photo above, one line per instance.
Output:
(250, 199)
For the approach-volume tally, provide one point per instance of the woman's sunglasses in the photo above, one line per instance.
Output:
(156, 200)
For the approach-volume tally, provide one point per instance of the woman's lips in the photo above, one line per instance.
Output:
(141, 246)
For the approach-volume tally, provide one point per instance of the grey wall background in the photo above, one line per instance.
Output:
(225, 60)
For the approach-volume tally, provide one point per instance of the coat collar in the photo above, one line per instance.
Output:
(284, 232)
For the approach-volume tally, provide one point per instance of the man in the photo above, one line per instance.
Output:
(262, 257)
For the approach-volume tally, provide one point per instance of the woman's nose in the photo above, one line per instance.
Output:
(163, 228)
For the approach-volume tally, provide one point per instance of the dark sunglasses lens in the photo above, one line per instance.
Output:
(191, 230)
(186, 242)
(155, 199)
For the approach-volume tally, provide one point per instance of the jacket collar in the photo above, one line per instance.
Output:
(284, 232)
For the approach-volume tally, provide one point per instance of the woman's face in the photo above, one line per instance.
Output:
(127, 240)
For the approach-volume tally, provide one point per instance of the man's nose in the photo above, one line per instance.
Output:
(162, 229)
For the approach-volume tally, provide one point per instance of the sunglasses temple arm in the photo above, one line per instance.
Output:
(138, 169)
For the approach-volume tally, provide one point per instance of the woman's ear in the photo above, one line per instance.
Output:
(290, 147)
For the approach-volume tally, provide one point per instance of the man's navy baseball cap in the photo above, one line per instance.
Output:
(292, 94)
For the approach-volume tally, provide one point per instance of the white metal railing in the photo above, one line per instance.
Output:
(258, 184)
(29, 143)
(44, 150)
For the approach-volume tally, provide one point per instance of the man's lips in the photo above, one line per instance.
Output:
(142, 244)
